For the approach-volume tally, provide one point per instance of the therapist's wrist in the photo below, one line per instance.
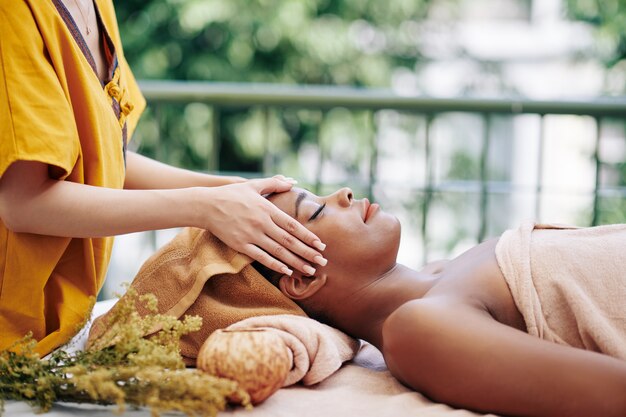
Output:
(198, 205)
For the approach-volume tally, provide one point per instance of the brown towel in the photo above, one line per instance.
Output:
(197, 274)
(569, 283)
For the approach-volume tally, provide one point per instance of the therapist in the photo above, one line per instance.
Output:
(68, 106)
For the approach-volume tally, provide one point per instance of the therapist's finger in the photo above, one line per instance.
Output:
(294, 228)
(293, 245)
(266, 259)
(276, 184)
(280, 253)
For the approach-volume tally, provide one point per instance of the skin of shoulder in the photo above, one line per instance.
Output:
(461, 356)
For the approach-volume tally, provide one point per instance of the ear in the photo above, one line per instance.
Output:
(298, 287)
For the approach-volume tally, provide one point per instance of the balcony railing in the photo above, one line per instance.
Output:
(226, 95)
(275, 98)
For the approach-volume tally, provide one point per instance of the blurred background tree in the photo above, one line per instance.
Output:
(354, 42)
(609, 18)
(336, 42)
(344, 42)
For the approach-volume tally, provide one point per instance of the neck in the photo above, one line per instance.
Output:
(371, 305)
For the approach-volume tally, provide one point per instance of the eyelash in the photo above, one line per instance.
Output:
(317, 212)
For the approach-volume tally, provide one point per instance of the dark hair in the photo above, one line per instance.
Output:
(274, 277)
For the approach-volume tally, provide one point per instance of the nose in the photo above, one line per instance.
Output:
(344, 197)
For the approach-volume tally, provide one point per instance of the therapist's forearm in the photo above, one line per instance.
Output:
(63, 208)
(32, 202)
(143, 173)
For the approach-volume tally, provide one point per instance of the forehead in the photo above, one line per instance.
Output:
(287, 201)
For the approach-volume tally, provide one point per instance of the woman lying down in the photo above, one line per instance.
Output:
(530, 324)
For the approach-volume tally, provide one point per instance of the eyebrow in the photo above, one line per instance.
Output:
(301, 196)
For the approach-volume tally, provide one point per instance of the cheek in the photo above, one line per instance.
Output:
(379, 251)
(356, 245)
(343, 238)
(384, 234)
(391, 236)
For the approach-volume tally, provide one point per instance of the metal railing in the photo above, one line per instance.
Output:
(324, 97)
(225, 95)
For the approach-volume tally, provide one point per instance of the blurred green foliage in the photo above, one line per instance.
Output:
(613, 209)
(339, 42)
(347, 42)
(355, 42)
(609, 18)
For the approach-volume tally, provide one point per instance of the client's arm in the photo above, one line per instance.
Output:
(461, 356)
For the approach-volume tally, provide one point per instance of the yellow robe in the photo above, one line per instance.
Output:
(55, 110)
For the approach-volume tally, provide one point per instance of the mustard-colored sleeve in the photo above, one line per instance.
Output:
(36, 120)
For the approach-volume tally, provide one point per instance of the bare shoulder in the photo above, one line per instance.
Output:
(420, 336)
(460, 355)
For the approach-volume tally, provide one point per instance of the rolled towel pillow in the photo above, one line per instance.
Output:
(257, 359)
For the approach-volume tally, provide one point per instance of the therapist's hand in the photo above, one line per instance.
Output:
(243, 219)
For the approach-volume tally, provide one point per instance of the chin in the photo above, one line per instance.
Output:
(390, 223)
(390, 236)
(396, 229)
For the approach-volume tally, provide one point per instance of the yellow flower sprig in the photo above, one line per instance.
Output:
(121, 368)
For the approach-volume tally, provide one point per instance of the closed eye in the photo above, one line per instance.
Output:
(317, 212)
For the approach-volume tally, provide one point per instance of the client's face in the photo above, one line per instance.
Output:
(360, 238)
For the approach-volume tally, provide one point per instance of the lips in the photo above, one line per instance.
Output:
(369, 208)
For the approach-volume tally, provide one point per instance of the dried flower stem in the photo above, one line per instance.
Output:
(121, 368)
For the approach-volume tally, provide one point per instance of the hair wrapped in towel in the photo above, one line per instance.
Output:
(197, 274)
(569, 284)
